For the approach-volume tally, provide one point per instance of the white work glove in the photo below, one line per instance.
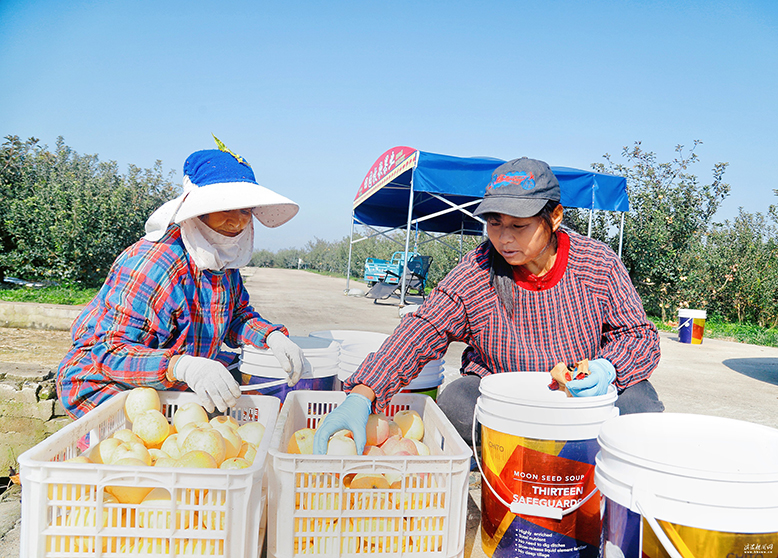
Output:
(210, 380)
(288, 354)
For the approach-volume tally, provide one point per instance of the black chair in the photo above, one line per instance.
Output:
(415, 280)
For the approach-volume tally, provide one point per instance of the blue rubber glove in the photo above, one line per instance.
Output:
(601, 375)
(350, 415)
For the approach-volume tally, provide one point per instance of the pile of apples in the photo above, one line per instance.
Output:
(191, 441)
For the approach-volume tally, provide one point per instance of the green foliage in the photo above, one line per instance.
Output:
(59, 294)
(65, 216)
(670, 212)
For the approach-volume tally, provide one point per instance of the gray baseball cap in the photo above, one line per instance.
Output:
(520, 188)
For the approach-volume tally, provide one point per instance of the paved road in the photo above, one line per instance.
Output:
(718, 377)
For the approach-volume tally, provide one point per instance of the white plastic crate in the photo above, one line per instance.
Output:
(312, 513)
(219, 512)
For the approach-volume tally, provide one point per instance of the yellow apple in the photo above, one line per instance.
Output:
(198, 459)
(129, 494)
(397, 445)
(248, 452)
(126, 435)
(410, 423)
(205, 439)
(224, 420)
(188, 427)
(152, 427)
(189, 412)
(166, 462)
(141, 399)
(155, 512)
(171, 446)
(232, 441)
(252, 432)
(156, 455)
(234, 463)
(301, 442)
(133, 449)
(377, 430)
(394, 429)
(369, 480)
(421, 447)
(375, 451)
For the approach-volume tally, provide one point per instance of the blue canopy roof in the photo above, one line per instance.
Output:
(441, 182)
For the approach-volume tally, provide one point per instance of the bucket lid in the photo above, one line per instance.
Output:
(278, 372)
(690, 313)
(530, 389)
(347, 336)
(696, 446)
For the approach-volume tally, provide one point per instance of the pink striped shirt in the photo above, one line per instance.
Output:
(593, 311)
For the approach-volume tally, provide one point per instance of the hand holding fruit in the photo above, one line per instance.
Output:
(350, 415)
(210, 380)
(601, 375)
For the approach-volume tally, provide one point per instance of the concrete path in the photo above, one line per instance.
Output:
(717, 378)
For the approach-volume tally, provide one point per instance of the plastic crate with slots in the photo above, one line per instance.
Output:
(313, 511)
(66, 512)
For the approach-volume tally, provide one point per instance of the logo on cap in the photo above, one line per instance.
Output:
(520, 178)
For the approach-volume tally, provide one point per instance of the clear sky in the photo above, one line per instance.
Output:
(311, 93)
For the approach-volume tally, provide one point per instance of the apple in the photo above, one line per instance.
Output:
(394, 478)
(397, 445)
(152, 427)
(126, 435)
(197, 459)
(129, 494)
(248, 452)
(374, 451)
(133, 449)
(171, 446)
(302, 442)
(421, 447)
(369, 480)
(102, 452)
(188, 427)
(410, 423)
(234, 463)
(189, 412)
(377, 430)
(232, 441)
(341, 445)
(141, 399)
(156, 455)
(252, 432)
(394, 429)
(155, 511)
(224, 420)
(166, 462)
(205, 439)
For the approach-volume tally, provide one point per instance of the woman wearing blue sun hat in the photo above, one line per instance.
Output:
(172, 299)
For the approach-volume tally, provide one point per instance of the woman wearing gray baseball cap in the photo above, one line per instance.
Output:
(532, 296)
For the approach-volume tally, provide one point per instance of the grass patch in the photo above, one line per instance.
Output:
(59, 294)
(718, 329)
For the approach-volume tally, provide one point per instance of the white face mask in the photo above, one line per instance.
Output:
(213, 251)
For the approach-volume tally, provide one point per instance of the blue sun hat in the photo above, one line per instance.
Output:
(219, 180)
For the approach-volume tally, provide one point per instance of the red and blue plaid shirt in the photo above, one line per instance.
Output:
(154, 304)
(592, 311)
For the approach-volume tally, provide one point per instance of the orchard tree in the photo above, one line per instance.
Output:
(670, 212)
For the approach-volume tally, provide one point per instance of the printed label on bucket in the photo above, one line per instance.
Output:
(543, 473)
(623, 529)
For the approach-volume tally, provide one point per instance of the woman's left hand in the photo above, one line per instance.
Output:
(601, 375)
(289, 355)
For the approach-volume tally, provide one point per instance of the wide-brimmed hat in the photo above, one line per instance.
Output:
(520, 188)
(216, 180)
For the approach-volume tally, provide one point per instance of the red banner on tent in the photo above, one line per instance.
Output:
(390, 165)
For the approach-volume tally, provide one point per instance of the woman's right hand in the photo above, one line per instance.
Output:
(350, 415)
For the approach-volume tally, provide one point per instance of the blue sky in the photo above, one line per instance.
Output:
(311, 93)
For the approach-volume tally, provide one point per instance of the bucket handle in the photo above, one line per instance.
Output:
(517, 508)
(639, 499)
(273, 383)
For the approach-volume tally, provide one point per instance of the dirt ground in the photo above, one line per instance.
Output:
(33, 346)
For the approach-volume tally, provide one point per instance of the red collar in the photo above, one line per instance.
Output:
(530, 282)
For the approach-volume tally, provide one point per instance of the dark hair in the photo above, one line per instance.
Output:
(501, 272)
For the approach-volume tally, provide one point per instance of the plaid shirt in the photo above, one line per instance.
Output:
(592, 312)
(154, 304)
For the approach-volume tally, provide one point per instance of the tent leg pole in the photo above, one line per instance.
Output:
(621, 234)
(350, 246)
(403, 281)
(589, 232)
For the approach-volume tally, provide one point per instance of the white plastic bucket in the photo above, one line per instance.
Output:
(691, 325)
(682, 485)
(538, 448)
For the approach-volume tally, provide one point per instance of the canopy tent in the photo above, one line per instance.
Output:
(436, 193)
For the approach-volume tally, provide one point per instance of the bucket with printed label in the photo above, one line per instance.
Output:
(691, 325)
(538, 448)
(688, 486)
